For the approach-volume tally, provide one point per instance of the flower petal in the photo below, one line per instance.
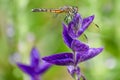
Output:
(61, 59)
(27, 69)
(72, 30)
(35, 58)
(85, 24)
(67, 39)
(92, 52)
(74, 25)
(77, 18)
(79, 46)
(44, 67)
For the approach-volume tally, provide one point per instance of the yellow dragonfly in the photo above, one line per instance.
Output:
(69, 10)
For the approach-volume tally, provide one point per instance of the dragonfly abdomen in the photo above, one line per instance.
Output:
(39, 10)
(47, 10)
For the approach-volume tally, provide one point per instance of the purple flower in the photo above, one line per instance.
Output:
(78, 25)
(81, 51)
(71, 60)
(36, 68)
(67, 58)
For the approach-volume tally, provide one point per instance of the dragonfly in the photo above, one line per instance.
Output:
(69, 10)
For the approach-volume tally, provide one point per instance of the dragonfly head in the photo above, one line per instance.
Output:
(75, 9)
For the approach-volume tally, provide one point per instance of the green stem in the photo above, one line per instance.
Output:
(75, 67)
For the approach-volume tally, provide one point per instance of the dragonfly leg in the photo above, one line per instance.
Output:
(66, 19)
(86, 37)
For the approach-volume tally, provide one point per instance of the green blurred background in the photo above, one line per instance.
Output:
(21, 29)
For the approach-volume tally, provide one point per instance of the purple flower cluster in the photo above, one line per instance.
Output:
(36, 68)
(80, 51)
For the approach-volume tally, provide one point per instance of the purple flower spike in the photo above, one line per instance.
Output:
(62, 59)
(36, 67)
(78, 25)
(81, 51)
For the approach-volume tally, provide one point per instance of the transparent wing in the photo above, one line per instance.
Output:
(94, 28)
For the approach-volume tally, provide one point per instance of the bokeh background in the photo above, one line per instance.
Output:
(21, 29)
